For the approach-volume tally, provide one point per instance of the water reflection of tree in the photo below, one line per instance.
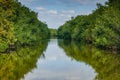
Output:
(15, 65)
(106, 64)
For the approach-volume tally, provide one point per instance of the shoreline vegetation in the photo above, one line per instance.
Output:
(19, 26)
(100, 28)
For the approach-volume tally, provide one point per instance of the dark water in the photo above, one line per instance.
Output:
(60, 60)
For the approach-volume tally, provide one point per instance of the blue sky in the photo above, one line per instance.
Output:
(56, 12)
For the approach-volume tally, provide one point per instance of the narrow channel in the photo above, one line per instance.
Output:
(56, 65)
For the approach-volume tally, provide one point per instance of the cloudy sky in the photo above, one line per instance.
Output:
(56, 12)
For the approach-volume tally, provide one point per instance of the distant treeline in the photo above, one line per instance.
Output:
(19, 25)
(53, 33)
(101, 28)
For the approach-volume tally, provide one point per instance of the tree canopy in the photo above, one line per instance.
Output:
(19, 24)
(101, 28)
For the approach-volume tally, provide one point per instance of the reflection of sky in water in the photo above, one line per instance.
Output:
(57, 66)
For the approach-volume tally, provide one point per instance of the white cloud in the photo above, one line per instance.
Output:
(27, 0)
(86, 2)
(53, 12)
(66, 15)
(68, 12)
(69, 16)
(82, 1)
(40, 8)
(62, 15)
(44, 10)
(85, 12)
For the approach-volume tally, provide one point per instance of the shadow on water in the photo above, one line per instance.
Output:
(106, 64)
(15, 65)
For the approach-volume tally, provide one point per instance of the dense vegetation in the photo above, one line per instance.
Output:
(101, 28)
(53, 33)
(6, 25)
(106, 64)
(18, 24)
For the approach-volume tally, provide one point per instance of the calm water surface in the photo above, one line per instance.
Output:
(60, 60)
(56, 65)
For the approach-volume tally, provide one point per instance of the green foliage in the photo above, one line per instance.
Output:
(101, 28)
(107, 28)
(53, 33)
(18, 24)
(28, 28)
(65, 30)
(7, 36)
